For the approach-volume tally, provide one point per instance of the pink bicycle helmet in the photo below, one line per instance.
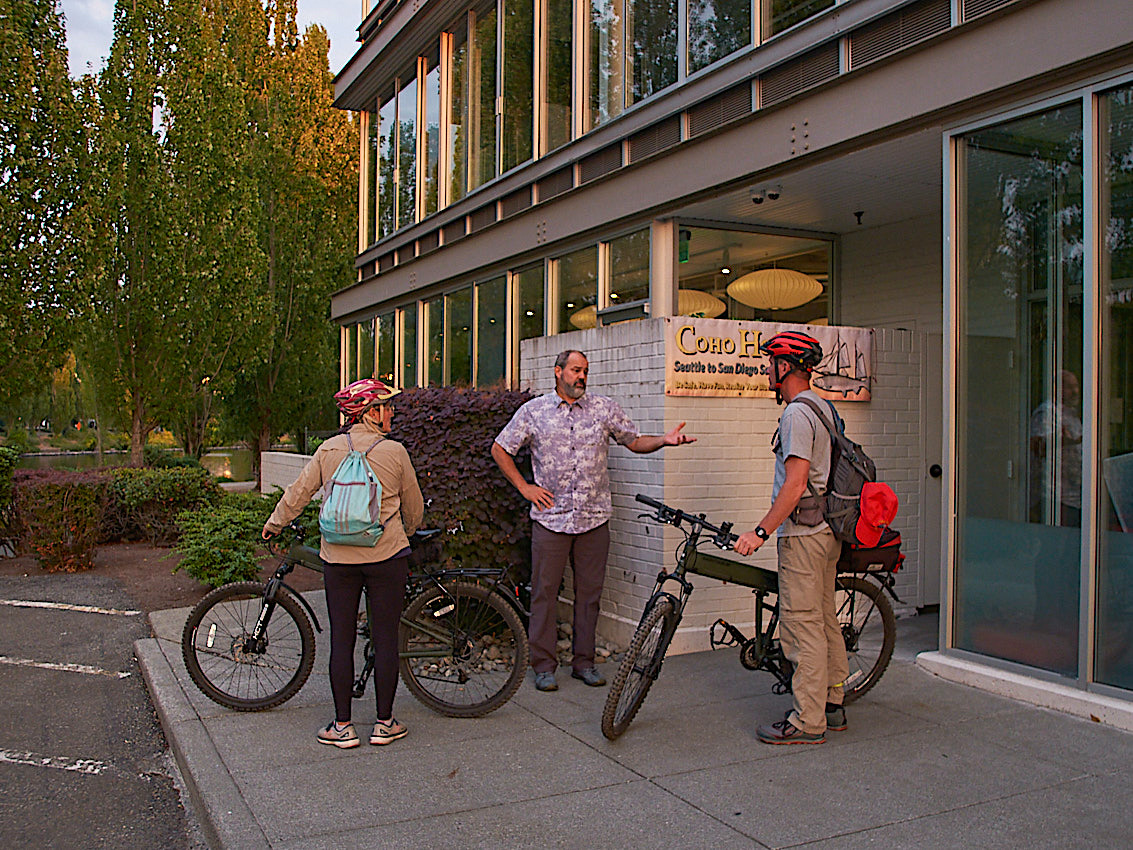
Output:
(355, 399)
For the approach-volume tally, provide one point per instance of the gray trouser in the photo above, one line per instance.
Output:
(550, 552)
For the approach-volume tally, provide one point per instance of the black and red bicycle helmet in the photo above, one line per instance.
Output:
(799, 349)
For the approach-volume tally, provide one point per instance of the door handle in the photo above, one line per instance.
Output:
(936, 470)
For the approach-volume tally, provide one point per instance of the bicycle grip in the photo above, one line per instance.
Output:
(645, 500)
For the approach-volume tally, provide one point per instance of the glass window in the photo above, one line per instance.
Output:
(629, 267)
(350, 335)
(482, 97)
(458, 116)
(373, 177)
(715, 29)
(491, 332)
(558, 59)
(409, 346)
(783, 14)
(431, 136)
(578, 289)
(435, 341)
(722, 276)
(387, 168)
(1114, 664)
(1019, 428)
(365, 350)
(386, 355)
(530, 302)
(517, 82)
(653, 27)
(607, 60)
(458, 336)
(407, 153)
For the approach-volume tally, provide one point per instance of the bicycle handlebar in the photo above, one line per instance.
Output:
(723, 536)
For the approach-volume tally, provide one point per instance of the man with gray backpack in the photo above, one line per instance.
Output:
(372, 502)
(808, 549)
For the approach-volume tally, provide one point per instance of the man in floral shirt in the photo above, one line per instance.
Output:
(569, 434)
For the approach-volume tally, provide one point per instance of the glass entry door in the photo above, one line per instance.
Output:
(1019, 418)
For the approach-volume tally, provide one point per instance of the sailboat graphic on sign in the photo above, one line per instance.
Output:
(844, 369)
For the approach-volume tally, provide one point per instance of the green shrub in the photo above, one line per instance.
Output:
(19, 440)
(145, 503)
(222, 543)
(8, 460)
(448, 432)
(58, 515)
(156, 457)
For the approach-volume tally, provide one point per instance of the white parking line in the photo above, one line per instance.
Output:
(62, 606)
(89, 766)
(67, 668)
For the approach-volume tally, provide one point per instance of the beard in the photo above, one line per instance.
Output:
(575, 390)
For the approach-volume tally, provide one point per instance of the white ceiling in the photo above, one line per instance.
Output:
(889, 182)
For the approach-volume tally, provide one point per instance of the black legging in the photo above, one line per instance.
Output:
(385, 588)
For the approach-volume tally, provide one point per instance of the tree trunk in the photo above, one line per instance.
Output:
(138, 434)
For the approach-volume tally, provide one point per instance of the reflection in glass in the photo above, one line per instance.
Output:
(654, 40)
(578, 289)
(386, 353)
(1020, 428)
(783, 14)
(387, 168)
(559, 46)
(407, 153)
(431, 134)
(482, 99)
(435, 341)
(350, 332)
(1114, 647)
(530, 304)
(607, 61)
(365, 350)
(629, 267)
(491, 331)
(458, 336)
(458, 116)
(373, 173)
(518, 82)
(409, 346)
(715, 29)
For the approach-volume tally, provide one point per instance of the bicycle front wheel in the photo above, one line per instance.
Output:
(217, 647)
(869, 629)
(463, 649)
(639, 668)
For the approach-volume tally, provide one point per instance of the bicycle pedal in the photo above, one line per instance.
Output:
(731, 635)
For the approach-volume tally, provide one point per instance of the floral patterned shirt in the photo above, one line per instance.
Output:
(569, 447)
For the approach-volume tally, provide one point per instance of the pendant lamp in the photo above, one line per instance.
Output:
(774, 289)
(694, 302)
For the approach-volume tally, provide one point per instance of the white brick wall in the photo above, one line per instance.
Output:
(727, 473)
(280, 469)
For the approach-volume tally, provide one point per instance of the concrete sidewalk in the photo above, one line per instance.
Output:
(925, 763)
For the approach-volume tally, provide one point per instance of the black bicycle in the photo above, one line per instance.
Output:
(462, 642)
(868, 624)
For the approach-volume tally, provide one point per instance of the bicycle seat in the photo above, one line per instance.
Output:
(423, 534)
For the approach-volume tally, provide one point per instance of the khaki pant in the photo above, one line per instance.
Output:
(808, 626)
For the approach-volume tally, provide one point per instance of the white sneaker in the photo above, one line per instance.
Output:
(387, 733)
(342, 738)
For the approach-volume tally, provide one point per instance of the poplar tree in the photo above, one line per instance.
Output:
(40, 197)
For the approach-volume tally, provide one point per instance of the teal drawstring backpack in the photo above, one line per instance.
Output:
(351, 511)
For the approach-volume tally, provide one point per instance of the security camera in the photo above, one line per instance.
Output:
(773, 194)
(757, 198)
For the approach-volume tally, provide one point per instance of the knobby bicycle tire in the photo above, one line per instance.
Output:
(869, 629)
(463, 649)
(213, 646)
(639, 668)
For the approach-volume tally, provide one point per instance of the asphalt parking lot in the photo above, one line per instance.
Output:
(83, 761)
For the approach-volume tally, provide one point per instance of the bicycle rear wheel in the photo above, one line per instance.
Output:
(639, 668)
(463, 649)
(215, 644)
(869, 629)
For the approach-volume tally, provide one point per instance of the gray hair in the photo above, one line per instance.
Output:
(561, 360)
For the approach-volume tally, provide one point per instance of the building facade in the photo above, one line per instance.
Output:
(957, 174)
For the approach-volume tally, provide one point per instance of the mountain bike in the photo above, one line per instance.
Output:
(866, 617)
(462, 641)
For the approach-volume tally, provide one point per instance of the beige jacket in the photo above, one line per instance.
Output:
(402, 505)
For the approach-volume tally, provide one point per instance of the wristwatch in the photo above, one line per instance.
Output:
(761, 534)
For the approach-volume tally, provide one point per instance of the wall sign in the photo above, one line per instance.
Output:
(721, 357)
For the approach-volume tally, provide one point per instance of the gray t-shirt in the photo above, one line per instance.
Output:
(802, 434)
